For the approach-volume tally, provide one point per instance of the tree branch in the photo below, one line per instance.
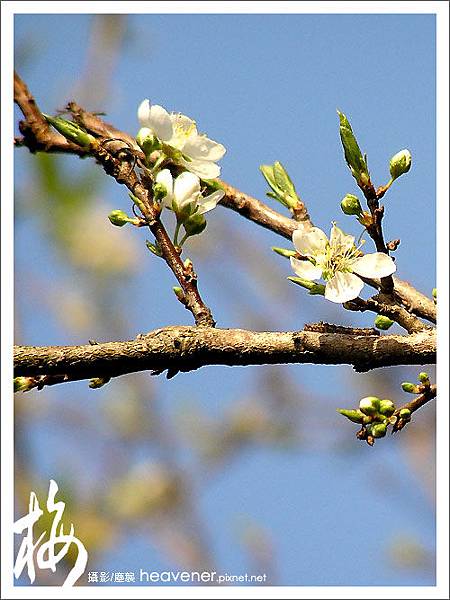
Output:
(189, 348)
(39, 137)
(37, 129)
(261, 214)
(429, 393)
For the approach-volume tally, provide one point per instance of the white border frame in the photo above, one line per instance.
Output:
(441, 9)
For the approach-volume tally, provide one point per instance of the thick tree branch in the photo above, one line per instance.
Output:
(189, 348)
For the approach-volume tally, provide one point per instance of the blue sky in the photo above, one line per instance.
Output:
(267, 87)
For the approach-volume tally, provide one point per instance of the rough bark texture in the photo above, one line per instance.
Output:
(188, 348)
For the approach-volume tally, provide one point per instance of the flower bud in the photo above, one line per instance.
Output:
(23, 384)
(400, 163)
(119, 218)
(315, 289)
(382, 322)
(424, 377)
(387, 407)
(351, 205)
(195, 224)
(147, 141)
(405, 414)
(369, 405)
(284, 252)
(159, 191)
(71, 131)
(434, 293)
(378, 430)
(356, 416)
(179, 294)
(409, 387)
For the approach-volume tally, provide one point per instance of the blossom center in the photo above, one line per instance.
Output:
(183, 131)
(336, 258)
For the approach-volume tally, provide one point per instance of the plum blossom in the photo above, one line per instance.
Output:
(338, 261)
(183, 194)
(181, 140)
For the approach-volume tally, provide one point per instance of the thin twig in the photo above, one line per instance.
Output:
(39, 137)
(429, 393)
(383, 304)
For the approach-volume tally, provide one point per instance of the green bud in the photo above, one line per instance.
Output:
(387, 407)
(71, 131)
(353, 155)
(378, 430)
(400, 163)
(382, 322)
(315, 289)
(23, 384)
(369, 405)
(98, 382)
(405, 414)
(355, 416)
(179, 294)
(284, 252)
(153, 248)
(159, 191)
(147, 141)
(434, 293)
(351, 205)
(409, 387)
(195, 224)
(424, 377)
(119, 218)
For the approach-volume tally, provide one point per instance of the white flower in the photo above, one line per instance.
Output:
(337, 260)
(183, 195)
(196, 152)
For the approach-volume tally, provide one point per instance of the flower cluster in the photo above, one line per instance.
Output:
(180, 140)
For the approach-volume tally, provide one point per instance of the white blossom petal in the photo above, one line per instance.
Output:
(374, 265)
(311, 242)
(202, 168)
(343, 287)
(165, 178)
(341, 240)
(201, 147)
(144, 112)
(305, 269)
(210, 202)
(186, 189)
(159, 122)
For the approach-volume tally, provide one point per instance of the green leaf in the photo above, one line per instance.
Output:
(353, 155)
